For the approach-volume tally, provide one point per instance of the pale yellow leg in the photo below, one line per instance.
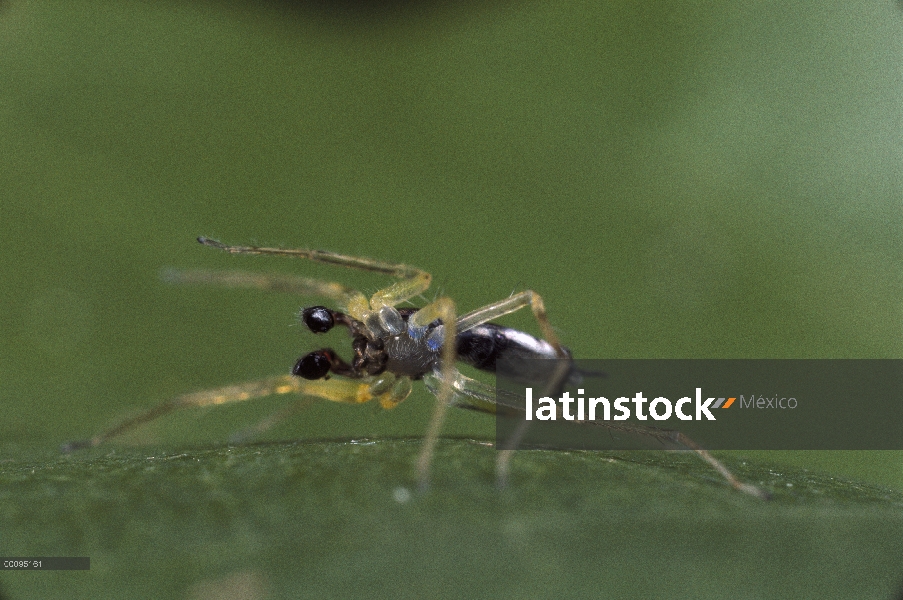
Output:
(414, 281)
(716, 464)
(494, 311)
(271, 420)
(398, 388)
(335, 390)
(304, 286)
(445, 309)
(508, 306)
(531, 298)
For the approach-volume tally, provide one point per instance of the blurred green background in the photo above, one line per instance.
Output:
(677, 180)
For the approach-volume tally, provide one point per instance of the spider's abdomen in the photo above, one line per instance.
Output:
(485, 344)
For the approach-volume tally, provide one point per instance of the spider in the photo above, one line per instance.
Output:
(392, 347)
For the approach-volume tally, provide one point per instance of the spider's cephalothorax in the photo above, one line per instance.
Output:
(387, 343)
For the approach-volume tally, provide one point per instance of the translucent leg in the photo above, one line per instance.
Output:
(398, 388)
(494, 311)
(414, 281)
(735, 483)
(480, 396)
(510, 305)
(335, 390)
(292, 284)
(476, 395)
(271, 421)
(468, 393)
(445, 308)
(672, 438)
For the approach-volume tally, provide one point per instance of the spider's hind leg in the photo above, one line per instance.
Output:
(510, 305)
(504, 307)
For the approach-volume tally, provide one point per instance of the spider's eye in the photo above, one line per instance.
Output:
(318, 319)
(313, 366)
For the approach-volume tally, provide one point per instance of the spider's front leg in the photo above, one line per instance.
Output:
(389, 390)
(270, 282)
(412, 281)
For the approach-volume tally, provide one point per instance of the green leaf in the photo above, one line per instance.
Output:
(344, 519)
